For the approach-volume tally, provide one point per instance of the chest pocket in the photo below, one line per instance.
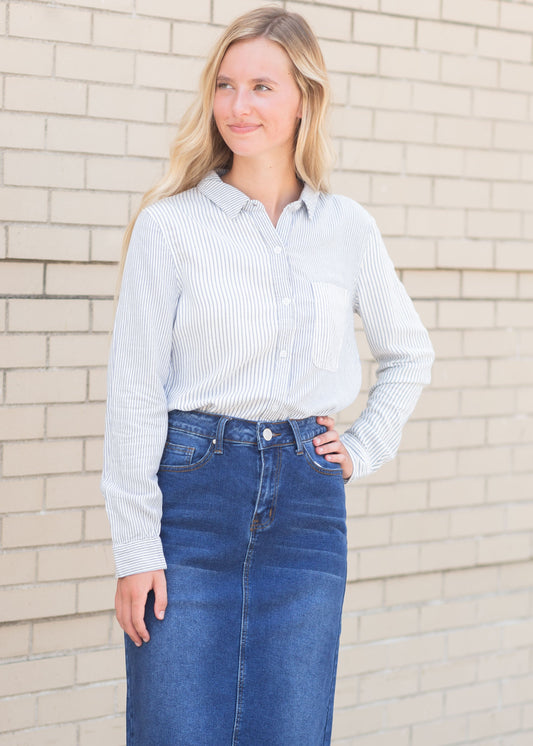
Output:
(330, 322)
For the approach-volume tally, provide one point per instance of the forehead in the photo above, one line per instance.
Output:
(249, 54)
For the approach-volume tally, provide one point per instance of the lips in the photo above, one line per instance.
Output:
(242, 128)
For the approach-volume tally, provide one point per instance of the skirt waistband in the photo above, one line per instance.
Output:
(263, 433)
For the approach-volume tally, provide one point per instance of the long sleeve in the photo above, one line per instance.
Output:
(137, 413)
(402, 348)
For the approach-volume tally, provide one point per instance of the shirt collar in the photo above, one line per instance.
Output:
(233, 201)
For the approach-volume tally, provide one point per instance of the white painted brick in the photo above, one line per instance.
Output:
(328, 23)
(350, 57)
(377, 626)
(462, 193)
(85, 135)
(21, 278)
(200, 11)
(411, 253)
(442, 99)
(471, 698)
(498, 105)
(21, 203)
(364, 156)
(47, 242)
(504, 45)
(46, 457)
(414, 8)
(491, 460)
(449, 674)
(443, 555)
(21, 130)
(489, 284)
(464, 254)
(406, 127)
(460, 491)
(149, 139)
(458, 433)
(446, 37)
(466, 582)
(492, 723)
(22, 423)
(516, 16)
(469, 132)
(45, 95)
(409, 63)
(84, 63)
(378, 92)
(40, 21)
(493, 224)
(474, 521)
(137, 33)
(73, 490)
(193, 39)
(422, 221)
(430, 160)
(26, 57)
(384, 30)
(89, 208)
(43, 169)
(157, 71)
(413, 527)
(483, 12)
(471, 71)
(516, 76)
(440, 732)
(125, 103)
(118, 174)
(487, 164)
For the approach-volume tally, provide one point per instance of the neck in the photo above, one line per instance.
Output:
(275, 185)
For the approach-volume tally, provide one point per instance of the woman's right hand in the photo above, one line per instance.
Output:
(130, 602)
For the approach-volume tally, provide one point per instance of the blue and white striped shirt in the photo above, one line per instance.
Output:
(223, 312)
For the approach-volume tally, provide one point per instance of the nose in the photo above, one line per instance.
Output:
(241, 102)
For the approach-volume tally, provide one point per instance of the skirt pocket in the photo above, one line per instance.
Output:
(185, 451)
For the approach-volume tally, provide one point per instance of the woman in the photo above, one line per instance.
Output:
(233, 348)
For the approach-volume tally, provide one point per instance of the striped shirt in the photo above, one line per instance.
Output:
(222, 312)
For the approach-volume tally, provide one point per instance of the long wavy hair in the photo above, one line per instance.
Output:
(198, 146)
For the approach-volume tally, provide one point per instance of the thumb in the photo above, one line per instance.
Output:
(160, 592)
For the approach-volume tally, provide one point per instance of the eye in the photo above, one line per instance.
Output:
(262, 87)
(223, 84)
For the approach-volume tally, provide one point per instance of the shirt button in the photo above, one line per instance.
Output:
(277, 249)
(267, 433)
(283, 353)
(286, 301)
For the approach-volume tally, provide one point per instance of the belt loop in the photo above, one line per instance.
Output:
(297, 437)
(219, 437)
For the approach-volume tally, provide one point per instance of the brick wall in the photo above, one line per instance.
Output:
(433, 125)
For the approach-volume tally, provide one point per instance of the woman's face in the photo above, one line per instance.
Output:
(257, 103)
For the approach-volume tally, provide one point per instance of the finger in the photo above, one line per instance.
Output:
(125, 622)
(330, 436)
(326, 420)
(137, 617)
(160, 592)
(335, 446)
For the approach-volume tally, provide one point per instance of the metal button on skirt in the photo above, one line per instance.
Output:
(254, 535)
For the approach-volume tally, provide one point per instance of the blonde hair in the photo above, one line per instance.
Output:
(198, 146)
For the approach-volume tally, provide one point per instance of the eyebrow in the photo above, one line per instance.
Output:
(264, 79)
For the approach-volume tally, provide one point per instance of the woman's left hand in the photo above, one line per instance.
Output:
(332, 448)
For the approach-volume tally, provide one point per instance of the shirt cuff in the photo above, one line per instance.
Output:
(139, 555)
(361, 465)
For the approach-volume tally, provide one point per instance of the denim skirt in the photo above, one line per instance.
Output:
(254, 535)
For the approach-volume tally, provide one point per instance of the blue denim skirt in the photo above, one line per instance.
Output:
(254, 535)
